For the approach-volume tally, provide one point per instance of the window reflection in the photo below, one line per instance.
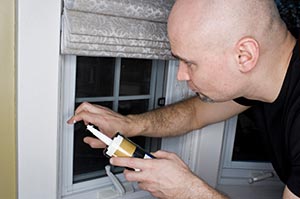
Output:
(249, 143)
(135, 77)
(95, 76)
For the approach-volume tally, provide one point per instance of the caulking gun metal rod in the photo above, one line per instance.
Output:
(99, 135)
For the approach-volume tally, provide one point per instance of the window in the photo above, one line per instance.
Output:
(86, 181)
(125, 85)
(245, 154)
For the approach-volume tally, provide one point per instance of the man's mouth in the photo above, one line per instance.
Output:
(202, 97)
(205, 98)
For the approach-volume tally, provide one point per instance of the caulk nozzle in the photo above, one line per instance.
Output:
(99, 135)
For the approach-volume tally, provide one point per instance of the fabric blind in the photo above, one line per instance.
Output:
(118, 28)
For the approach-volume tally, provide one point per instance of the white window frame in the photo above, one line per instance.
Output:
(239, 172)
(67, 135)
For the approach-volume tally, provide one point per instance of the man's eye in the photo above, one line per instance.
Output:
(189, 64)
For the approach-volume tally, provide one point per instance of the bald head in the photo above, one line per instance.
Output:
(240, 41)
(222, 23)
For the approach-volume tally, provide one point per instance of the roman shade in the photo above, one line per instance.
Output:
(116, 28)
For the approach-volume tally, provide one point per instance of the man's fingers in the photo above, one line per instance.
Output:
(87, 117)
(84, 111)
(94, 142)
(161, 154)
(85, 106)
(138, 176)
(133, 176)
(92, 108)
(164, 155)
(135, 163)
(169, 156)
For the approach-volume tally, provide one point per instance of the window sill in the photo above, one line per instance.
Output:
(252, 191)
(109, 192)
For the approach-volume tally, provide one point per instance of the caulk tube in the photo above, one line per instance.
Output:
(120, 146)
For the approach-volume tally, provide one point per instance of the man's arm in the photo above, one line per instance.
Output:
(182, 117)
(170, 120)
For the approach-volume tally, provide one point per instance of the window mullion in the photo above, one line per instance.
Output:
(107, 99)
(152, 84)
(94, 99)
(117, 84)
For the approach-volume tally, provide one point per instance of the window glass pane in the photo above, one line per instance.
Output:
(88, 163)
(86, 159)
(133, 106)
(249, 143)
(135, 76)
(95, 76)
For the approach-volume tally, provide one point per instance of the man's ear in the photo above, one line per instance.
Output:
(247, 51)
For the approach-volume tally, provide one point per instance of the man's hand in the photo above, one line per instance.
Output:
(167, 177)
(108, 121)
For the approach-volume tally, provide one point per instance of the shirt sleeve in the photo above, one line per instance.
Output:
(293, 181)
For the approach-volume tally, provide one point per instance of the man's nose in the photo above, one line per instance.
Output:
(182, 74)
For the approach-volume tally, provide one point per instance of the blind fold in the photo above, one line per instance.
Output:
(117, 28)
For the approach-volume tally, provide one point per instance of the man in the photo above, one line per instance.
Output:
(233, 54)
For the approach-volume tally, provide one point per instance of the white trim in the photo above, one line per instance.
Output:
(208, 152)
(38, 30)
(68, 75)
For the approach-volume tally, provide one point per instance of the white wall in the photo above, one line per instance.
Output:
(37, 40)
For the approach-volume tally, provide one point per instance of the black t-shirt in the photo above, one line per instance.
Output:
(281, 122)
